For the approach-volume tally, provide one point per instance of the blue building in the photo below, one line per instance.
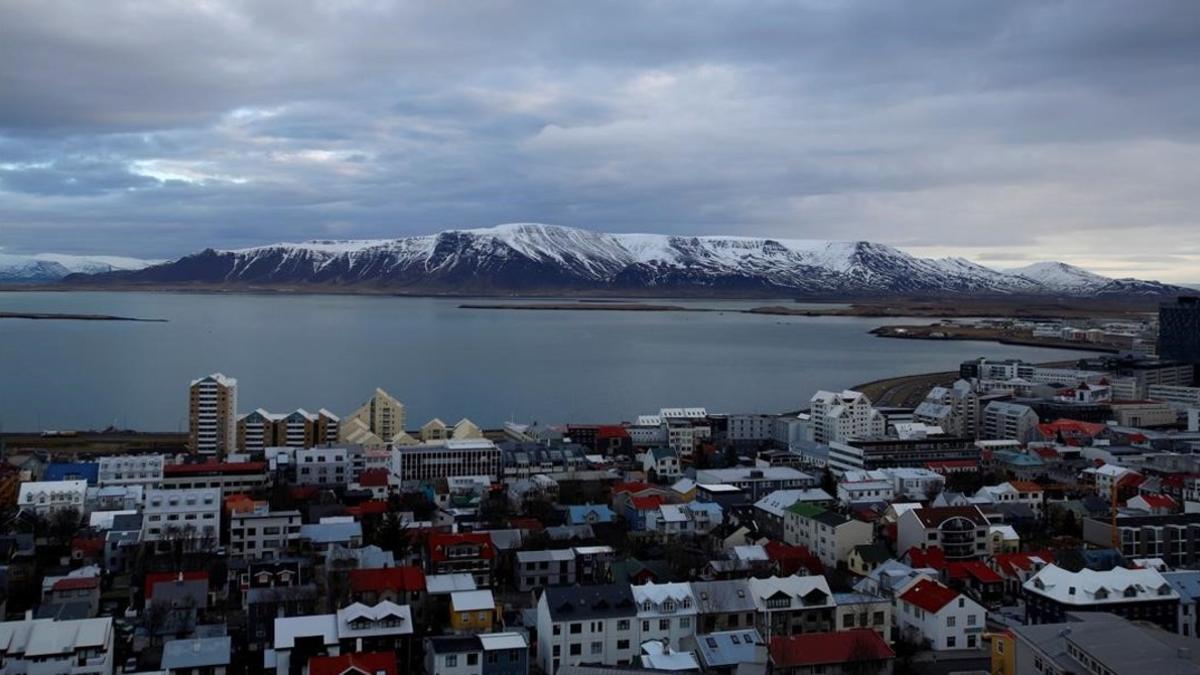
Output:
(89, 471)
(488, 654)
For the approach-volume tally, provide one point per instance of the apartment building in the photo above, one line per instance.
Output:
(262, 534)
(185, 513)
(539, 569)
(914, 484)
(790, 605)
(827, 534)
(212, 415)
(1093, 642)
(228, 477)
(955, 409)
(260, 429)
(47, 646)
(587, 624)
(1174, 538)
(1136, 594)
(666, 613)
(323, 467)
(1004, 421)
(46, 497)
(758, 482)
(471, 553)
(961, 532)
(379, 421)
(429, 462)
(840, 417)
(131, 470)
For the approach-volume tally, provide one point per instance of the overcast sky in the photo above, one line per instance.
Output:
(1003, 131)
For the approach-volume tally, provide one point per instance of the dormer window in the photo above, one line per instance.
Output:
(1130, 592)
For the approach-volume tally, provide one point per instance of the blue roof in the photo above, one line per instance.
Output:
(1017, 458)
(1186, 583)
(589, 513)
(89, 471)
(712, 508)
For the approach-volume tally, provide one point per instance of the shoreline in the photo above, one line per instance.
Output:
(53, 316)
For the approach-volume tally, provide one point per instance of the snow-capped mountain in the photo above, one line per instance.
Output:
(48, 267)
(535, 258)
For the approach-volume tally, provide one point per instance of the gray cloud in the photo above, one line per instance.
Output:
(1007, 131)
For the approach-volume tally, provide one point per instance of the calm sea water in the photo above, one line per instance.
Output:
(316, 351)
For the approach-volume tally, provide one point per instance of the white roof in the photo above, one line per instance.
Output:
(223, 380)
(289, 628)
(103, 520)
(779, 500)
(718, 487)
(33, 487)
(374, 613)
(1088, 586)
(436, 584)
(46, 637)
(492, 641)
(671, 513)
(559, 555)
(1005, 531)
(795, 586)
(592, 550)
(745, 473)
(472, 601)
(659, 593)
(750, 553)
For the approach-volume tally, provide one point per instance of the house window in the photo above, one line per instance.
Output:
(622, 644)
(664, 624)
(575, 650)
(623, 624)
(451, 660)
(472, 659)
(950, 642)
(576, 628)
(597, 648)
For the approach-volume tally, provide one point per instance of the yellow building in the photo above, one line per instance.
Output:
(474, 612)
(1004, 660)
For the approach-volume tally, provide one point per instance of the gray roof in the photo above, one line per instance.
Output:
(718, 597)
(571, 603)
(728, 648)
(196, 653)
(1186, 583)
(1121, 646)
(126, 522)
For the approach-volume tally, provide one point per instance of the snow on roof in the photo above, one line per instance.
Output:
(1088, 586)
(290, 628)
(472, 601)
(441, 584)
(512, 640)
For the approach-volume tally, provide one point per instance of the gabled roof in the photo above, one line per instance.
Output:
(407, 578)
(439, 542)
(355, 663)
(579, 603)
(929, 595)
(935, 516)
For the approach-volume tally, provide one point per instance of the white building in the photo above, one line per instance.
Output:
(452, 457)
(1004, 421)
(910, 483)
(664, 462)
(927, 611)
(795, 604)
(46, 497)
(131, 470)
(49, 647)
(865, 486)
(828, 534)
(665, 612)
(960, 531)
(326, 467)
(840, 417)
(262, 534)
(349, 630)
(189, 514)
(587, 624)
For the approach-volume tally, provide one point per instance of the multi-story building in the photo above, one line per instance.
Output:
(927, 611)
(49, 646)
(539, 569)
(770, 512)
(878, 453)
(48, 496)
(914, 484)
(429, 462)
(724, 605)
(827, 534)
(260, 429)
(379, 421)
(749, 430)
(961, 532)
(212, 415)
(229, 477)
(1003, 420)
(471, 553)
(1143, 413)
(188, 514)
(323, 467)
(586, 624)
(1179, 330)
(262, 534)
(1136, 594)
(666, 613)
(1174, 538)
(795, 604)
(758, 482)
(486, 654)
(840, 417)
(1093, 642)
(131, 470)
(955, 409)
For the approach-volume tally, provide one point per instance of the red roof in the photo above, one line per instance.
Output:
(791, 559)
(87, 545)
(929, 595)
(531, 524)
(815, 649)
(607, 431)
(369, 507)
(932, 557)
(440, 541)
(75, 584)
(404, 578)
(1026, 486)
(632, 486)
(975, 570)
(1158, 501)
(303, 493)
(1009, 563)
(650, 502)
(373, 478)
(1046, 453)
(214, 467)
(368, 663)
(155, 578)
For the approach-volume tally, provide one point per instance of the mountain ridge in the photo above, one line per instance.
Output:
(522, 258)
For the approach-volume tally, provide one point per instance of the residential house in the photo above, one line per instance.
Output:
(539, 569)
(927, 611)
(666, 612)
(960, 531)
(828, 534)
(471, 552)
(474, 612)
(794, 604)
(586, 624)
(198, 656)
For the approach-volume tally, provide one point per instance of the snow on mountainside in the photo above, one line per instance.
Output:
(46, 267)
(529, 257)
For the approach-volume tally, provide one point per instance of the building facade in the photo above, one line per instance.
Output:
(212, 415)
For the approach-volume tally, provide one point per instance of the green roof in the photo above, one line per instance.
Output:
(805, 510)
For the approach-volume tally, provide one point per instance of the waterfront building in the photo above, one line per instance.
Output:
(212, 415)
(840, 417)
